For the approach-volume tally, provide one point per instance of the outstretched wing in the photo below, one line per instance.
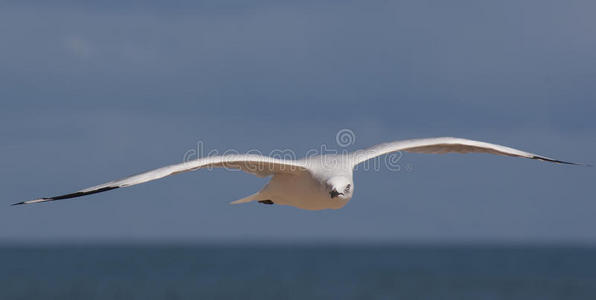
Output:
(445, 145)
(255, 164)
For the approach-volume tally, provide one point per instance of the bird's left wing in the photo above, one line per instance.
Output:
(255, 164)
(445, 145)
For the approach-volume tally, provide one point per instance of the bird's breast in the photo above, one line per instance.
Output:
(301, 191)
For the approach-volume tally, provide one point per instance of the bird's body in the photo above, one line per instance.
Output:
(299, 190)
(312, 183)
(308, 189)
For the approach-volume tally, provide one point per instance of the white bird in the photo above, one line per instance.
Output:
(313, 183)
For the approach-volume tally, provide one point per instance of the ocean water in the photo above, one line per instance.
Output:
(296, 272)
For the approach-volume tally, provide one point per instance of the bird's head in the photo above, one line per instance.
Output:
(340, 187)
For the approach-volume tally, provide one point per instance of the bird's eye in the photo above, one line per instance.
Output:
(348, 188)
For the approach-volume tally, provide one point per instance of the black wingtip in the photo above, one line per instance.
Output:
(560, 161)
(573, 164)
(67, 196)
(32, 201)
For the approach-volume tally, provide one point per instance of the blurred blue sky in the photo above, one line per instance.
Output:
(97, 90)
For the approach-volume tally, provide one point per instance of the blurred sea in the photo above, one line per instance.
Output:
(296, 272)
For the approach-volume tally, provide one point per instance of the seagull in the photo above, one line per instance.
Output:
(313, 183)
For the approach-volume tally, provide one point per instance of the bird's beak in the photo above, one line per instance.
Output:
(334, 193)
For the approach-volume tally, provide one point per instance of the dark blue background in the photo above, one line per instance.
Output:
(91, 91)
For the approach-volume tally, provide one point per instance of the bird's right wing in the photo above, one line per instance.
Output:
(446, 145)
(254, 164)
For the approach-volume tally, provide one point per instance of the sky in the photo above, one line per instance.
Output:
(97, 90)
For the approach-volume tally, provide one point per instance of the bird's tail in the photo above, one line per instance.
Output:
(250, 198)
